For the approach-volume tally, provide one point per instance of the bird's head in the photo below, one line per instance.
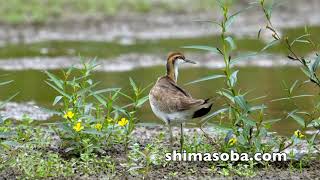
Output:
(173, 61)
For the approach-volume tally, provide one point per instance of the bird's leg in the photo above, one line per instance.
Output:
(171, 136)
(181, 138)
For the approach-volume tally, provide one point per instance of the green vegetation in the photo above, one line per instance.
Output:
(88, 121)
(309, 68)
(38, 11)
(248, 124)
(96, 135)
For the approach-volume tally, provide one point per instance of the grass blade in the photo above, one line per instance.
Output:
(5, 83)
(206, 48)
(206, 79)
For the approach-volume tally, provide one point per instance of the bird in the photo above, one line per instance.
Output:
(171, 103)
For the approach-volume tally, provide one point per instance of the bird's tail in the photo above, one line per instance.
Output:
(205, 108)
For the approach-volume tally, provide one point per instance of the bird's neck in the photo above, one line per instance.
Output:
(172, 71)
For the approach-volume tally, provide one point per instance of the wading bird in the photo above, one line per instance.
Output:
(171, 103)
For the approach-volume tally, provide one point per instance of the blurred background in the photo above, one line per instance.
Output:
(131, 38)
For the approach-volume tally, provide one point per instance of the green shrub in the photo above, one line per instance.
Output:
(91, 118)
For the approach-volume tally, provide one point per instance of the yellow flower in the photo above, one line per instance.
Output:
(123, 122)
(78, 127)
(298, 134)
(68, 115)
(232, 141)
(98, 126)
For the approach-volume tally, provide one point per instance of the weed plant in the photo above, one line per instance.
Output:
(91, 118)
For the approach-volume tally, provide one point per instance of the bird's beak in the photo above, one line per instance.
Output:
(189, 61)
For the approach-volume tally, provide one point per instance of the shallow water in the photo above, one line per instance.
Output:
(262, 81)
(109, 50)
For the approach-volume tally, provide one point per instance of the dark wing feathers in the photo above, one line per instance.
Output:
(201, 112)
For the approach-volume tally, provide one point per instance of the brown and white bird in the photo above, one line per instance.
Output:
(171, 103)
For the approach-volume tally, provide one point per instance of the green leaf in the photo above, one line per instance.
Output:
(206, 48)
(56, 100)
(303, 41)
(306, 72)
(259, 107)
(248, 121)
(206, 79)
(269, 8)
(239, 100)
(292, 97)
(257, 144)
(242, 140)
(226, 94)
(314, 124)
(59, 90)
(54, 79)
(133, 85)
(299, 38)
(5, 83)
(272, 43)
(298, 119)
(293, 86)
(100, 99)
(145, 88)
(233, 78)
(313, 138)
(142, 101)
(214, 114)
(257, 98)
(231, 42)
(123, 94)
(87, 89)
(316, 64)
(101, 91)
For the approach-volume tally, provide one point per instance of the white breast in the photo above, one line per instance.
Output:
(161, 115)
(176, 117)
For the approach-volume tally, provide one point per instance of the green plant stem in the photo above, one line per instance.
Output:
(288, 45)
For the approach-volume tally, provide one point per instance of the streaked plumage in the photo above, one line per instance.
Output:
(170, 102)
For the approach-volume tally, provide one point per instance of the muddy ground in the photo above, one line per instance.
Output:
(186, 170)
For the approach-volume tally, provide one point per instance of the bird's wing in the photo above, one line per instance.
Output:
(177, 88)
(172, 98)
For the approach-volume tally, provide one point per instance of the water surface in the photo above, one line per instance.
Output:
(260, 81)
